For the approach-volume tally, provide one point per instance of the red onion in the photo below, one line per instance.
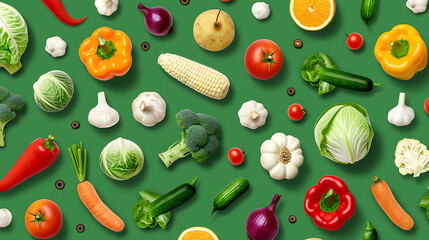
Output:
(158, 20)
(262, 223)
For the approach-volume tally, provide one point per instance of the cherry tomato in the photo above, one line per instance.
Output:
(43, 219)
(427, 105)
(263, 59)
(296, 112)
(354, 41)
(225, 0)
(235, 156)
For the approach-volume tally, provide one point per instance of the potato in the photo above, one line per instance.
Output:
(214, 30)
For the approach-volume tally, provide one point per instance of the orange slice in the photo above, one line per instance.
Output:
(198, 233)
(312, 15)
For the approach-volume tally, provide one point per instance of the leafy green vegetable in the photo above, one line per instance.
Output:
(13, 38)
(310, 69)
(141, 216)
(121, 159)
(343, 133)
(53, 91)
(9, 104)
(200, 134)
(424, 203)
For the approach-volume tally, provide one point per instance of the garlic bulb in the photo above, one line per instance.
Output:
(56, 46)
(252, 114)
(261, 10)
(417, 6)
(102, 115)
(401, 115)
(5, 217)
(149, 108)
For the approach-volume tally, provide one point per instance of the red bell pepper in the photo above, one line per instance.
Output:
(38, 156)
(330, 203)
(58, 9)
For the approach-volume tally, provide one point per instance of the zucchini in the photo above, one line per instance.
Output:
(368, 10)
(234, 190)
(172, 199)
(346, 80)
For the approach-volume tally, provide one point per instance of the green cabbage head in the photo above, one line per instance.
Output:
(121, 159)
(343, 133)
(13, 38)
(53, 91)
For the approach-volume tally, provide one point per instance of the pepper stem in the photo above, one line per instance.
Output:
(49, 142)
(330, 201)
(106, 49)
(399, 48)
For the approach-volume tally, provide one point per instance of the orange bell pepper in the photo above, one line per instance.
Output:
(106, 54)
(401, 52)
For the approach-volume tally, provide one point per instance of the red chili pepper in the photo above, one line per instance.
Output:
(330, 203)
(58, 9)
(38, 156)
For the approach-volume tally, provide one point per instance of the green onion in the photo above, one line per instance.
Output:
(79, 160)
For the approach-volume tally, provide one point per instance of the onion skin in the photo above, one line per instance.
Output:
(158, 20)
(262, 223)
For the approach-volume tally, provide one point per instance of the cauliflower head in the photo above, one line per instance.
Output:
(411, 157)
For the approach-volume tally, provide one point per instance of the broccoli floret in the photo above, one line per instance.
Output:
(15, 102)
(4, 94)
(6, 114)
(199, 138)
(201, 155)
(186, 118)
(195, 137)
(212, 144)
(209, 123)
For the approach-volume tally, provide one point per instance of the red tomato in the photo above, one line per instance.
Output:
(263, 59)
(43, 219)
(427, 105)
(296, 112)
(235, 156)
(354, 41)
(225, 0)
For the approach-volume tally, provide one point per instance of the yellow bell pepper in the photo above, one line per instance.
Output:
(401, 52)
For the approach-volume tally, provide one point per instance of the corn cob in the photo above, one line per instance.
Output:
(201, 78)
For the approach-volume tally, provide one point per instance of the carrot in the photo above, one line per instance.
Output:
(390, 206)
(89, 196)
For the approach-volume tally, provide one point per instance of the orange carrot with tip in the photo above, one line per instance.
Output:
(89, 196)
(390, 206)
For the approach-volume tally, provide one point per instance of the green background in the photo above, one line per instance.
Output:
(146, 75)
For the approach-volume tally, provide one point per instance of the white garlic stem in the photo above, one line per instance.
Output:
(254, 114)
(401, 101)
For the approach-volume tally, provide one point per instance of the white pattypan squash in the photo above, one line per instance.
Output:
(281, 156)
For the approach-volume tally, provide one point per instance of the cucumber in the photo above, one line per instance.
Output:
(368, 10)
(172, 199)
(234, 190)
(346, 80)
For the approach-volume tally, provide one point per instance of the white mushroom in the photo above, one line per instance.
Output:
(252, 114)
(261, 10)
(56, 46)
(102, 115)
(149, 108)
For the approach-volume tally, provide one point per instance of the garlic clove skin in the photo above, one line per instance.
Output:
(56, 46)
(401, 115)
(5, 217)
(252, 114)
(261, 10)
(149, 108)
(102, 115)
